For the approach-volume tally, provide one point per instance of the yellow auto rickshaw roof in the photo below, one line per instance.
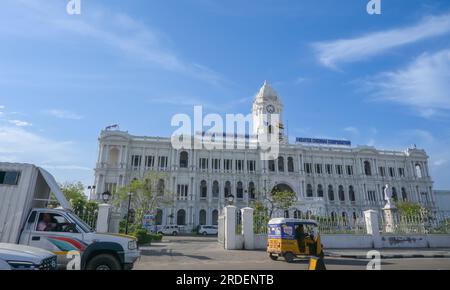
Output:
(278, 221)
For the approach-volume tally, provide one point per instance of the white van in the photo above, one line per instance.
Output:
(170, 230)
(208, 230)
(25, 219)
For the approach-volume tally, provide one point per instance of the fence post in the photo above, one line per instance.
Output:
(103, 218)
(230, 227)
(247, 228)
(373, 227)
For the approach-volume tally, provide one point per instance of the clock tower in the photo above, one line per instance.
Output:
(266, 105)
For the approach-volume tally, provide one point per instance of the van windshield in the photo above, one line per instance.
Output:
(86, 228)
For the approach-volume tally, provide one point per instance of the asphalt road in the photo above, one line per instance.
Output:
(200, 253)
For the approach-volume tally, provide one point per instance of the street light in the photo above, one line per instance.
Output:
(130, 194)
(106, 196)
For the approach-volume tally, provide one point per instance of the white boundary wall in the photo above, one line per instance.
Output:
(250, 241)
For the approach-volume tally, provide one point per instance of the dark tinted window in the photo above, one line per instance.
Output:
(9, 177)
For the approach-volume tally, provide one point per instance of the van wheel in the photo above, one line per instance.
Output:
(273, 257)
(174, 233)
(103, 262)
(205, 233)
(289, 257)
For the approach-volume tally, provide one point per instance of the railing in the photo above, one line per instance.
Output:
(420, 224)
(238, 222)
(90, 218)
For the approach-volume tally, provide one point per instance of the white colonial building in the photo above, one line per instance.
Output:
(328, 177)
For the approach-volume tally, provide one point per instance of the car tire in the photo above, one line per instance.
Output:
(289, 257)
(273, 257)
(205, 233)
(174, 234)
(103, 262)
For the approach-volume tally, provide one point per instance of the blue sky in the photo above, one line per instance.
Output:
(376, 80)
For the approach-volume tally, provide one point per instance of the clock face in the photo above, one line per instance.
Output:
(270, 109)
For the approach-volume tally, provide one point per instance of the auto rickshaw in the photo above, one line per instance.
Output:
(292, 238)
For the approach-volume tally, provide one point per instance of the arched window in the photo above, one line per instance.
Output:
(202, 217)
(227, 189)
(215, 217)
(252, 190)
(333, 216)
(184, 159)
(286, 214)
(309, 190)
(290, 164)
(394, 194)
(181, 217)
(404, 194)
(367, 168)
(113, 158)
(215, 189)
(330, 193)
(351, 193)
(320, 190)
(280, 164)
(159, 217)
(240, 190)
(203, 189)
(419, 172)
(344, 218)
(270, 129)
(297, 214)
(161, 187)
(355, 216)
(341, 193)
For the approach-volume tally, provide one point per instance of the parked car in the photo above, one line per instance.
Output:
(19, 257)
(4, 266)
(169, 230)
(208, 230)
(25, 219)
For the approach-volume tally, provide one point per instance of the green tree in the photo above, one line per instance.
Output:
(73, 191)
(148, 194)
(409, 209)
(281, 200)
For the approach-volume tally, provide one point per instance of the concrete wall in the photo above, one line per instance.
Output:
(366, 241)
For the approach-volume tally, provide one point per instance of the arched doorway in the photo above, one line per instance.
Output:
(282, 187)
(181, 217)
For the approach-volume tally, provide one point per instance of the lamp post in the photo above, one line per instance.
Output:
(106, 196)
(128, 212)
(91, 189)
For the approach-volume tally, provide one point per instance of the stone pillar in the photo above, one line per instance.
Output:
(230, 227)
(103, 218)
(247, 228)
(390, 217)
(373, 227)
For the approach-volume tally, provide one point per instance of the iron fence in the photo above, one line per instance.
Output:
(420, 224)
(90, 218)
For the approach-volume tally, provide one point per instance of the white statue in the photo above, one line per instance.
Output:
(388, 196)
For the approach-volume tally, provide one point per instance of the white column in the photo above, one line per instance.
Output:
(372, 227)
(103, 218)
(247, 228)
(230, 227)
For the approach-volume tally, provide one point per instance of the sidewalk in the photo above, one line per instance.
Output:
(389, 253)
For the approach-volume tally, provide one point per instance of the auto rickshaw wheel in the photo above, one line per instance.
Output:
(289, 257)
(273, 257)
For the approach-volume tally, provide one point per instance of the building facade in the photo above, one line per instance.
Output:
(328, 180)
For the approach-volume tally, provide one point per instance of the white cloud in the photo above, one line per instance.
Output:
(117, 31)
(423, 85)
(63, 114)
(352, 130)
(332, 53)
(20, 123)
